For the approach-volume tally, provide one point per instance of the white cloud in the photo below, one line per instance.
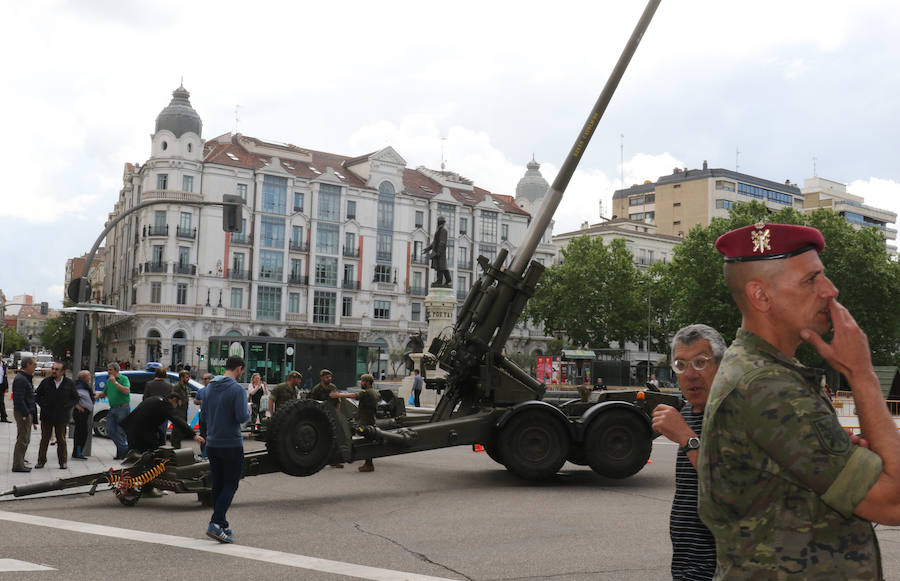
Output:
(878, 192)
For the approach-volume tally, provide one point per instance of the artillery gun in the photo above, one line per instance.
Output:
(486, 399)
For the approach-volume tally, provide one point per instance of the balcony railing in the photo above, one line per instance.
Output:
(299, 246)
(418, 291)
(273, 275)
(464, 265)
(420, 259)
(383, 255)
(156, 230)
(350, 285)
(241, 238)
(186, 232)
(298, 279)
(185, 268)
(156, 267)
(351, 252)
(238, 274)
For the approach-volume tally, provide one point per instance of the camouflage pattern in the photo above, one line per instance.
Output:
(368, 403)
(779, 478)
(283, 393)
(320, 392)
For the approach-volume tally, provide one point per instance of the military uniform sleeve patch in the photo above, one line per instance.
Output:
(832, 435)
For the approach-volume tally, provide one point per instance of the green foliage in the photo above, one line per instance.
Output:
(58, 335)
(12, 341)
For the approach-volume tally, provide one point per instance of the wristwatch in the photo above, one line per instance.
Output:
(693, 443)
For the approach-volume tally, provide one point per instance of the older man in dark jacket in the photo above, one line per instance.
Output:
(57, 397)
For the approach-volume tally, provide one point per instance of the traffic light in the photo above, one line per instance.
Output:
(198, 351)
(202, 358)
(231, 212)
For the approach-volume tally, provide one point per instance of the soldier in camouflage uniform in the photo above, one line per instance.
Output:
(785, 490)
(368, 403)
(284, 392)
(322, 392)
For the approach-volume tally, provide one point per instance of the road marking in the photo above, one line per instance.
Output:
(209, 546)
(10, 565)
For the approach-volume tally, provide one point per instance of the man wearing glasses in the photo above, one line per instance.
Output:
(56, 396)
(697, 351)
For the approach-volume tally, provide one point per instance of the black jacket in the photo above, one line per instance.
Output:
(23, 396)
(56, 402)
(157, 387)
(142, 423)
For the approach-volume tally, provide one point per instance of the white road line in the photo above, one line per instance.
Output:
(14, 565)
(209, 546)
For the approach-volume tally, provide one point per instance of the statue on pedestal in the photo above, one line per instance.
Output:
(437, 251)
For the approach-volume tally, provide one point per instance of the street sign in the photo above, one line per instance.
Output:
(73, 290)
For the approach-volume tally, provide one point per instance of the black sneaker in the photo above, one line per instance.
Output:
(22, 469)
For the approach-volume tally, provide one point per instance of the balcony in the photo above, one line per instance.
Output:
(383, 255)
(156, 230)
(271, 275)
(241, 238)
(185, 268)
(238, 274)
(351, 252)
(156, 267)
(298, 279)
(418, 291)
(299, 246)
(464, 265)
(186, 232)
(420, 259)
(350, 285)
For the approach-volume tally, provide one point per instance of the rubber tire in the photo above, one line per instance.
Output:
(577, 455)
(493, 451)
(303, 437)
(617, 444)
(99, 424)
(131, 498)
(534, 445)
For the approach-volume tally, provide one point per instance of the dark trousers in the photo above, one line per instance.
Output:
(23, 437)
(3, 415)
(225, 467)
(82, 423)
(417, 393)
(47, 429)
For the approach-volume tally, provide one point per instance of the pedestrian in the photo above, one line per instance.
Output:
(697, 351)
(785, 490)
(183, 390)
(224, 410)
(383, 375)
(159, 385)
(4, 386)
(601, 385)
(56, 397)
(417, 385)
(256, 390)
(83, 414)
(284, 392)
(118, 389)
(24, 412)
(368, 404)
(308, 379)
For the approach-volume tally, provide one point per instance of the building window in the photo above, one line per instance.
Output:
(723, 185)
(420, 219)
(271, 265)
(159, 221)
(676, 186)
(351, 210)
(448, 211)
(298, 201)
(329, 202)
(237, 262)
(504, 231)
(155, 292)
(349, 271)
(384, 241)
(676, 223)
(382, 273)
(184, 256)
(293, 302)
(416, 314)
(327, 239)
(347, 307)
(649, 198)
(162, 181)
(274, 194)
(187, 183)
(417, 280)
(463, 225)
(382, 310)
(461, 284)
(489, 226)
(184, 222)
(157, 255)
(636, 201)
(489, 251)
(268, 303)
(349, 241)
(181, 293)
(323, 307)
(724, 204)
(242, 191)
(237, 298)
(296, 269)
(326, 271)
(297, 236)
(272, 232)
(676, 204)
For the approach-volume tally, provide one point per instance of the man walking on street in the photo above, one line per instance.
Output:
(118, 390)
(24, 412)
(56, 395)
(417, 385)
(224, 409)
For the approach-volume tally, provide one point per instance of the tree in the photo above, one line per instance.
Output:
(12, 341)
(593, 296)
(58, 336)
(397, 357)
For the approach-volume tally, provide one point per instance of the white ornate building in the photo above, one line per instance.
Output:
(330, 252)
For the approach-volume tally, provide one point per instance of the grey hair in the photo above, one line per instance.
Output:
(114, 365)
(693, 333)
(26, 360)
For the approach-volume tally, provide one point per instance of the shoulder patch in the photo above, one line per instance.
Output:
(832, 435)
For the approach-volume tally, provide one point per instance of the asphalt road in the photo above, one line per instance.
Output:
(449, 514)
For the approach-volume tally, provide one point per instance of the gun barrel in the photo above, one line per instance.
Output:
(555, 194)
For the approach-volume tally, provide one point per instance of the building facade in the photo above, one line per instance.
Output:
(328, 243)
(75, 269)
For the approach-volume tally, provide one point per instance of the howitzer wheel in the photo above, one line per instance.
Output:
(302, 437)
(533, 445)
(617, 444)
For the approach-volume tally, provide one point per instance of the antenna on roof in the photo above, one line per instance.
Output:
(237, 119)
(814, 167)
(443, 164)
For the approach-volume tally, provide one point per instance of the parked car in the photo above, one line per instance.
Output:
(138, 379)
(44, 363)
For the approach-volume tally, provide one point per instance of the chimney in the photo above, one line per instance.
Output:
(705, 165)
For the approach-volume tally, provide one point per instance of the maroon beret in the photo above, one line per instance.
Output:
(768, 242)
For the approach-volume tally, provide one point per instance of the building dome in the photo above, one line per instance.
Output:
(532, 186)
(179, 117)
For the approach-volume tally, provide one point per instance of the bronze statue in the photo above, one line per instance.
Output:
(437, 251)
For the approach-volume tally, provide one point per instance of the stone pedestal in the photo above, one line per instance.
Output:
(441, 306)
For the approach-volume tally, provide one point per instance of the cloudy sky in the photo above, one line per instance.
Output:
(773, 87)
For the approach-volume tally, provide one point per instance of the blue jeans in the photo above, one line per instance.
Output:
(225, 467)
(116, 433)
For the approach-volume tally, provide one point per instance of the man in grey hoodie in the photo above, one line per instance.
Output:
(224, 409)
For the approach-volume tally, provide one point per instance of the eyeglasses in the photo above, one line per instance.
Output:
(699, 363)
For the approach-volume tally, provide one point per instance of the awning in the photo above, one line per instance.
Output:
(95, 308)
(577, 354)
